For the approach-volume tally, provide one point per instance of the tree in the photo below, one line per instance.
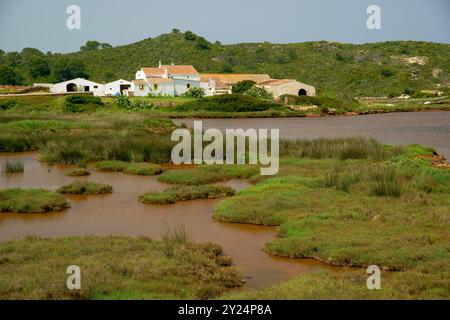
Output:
(8, 76)
(259, 92)
(66, 68)
(91, 45)
(175, 30)
(190, 36)
(105, 46)
(243, 86)
(38, 67)
(202, 43)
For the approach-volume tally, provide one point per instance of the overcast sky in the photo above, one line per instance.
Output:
(42, 24)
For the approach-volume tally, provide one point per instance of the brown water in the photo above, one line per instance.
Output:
(426, 128)
(120, 213)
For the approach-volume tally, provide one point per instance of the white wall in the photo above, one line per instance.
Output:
(80, 84)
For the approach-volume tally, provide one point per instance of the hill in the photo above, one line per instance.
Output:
(336, 69)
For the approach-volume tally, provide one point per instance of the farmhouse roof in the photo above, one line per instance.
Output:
(187, 69)
(159, 80)
(139, 82)
(277, 82)
(233, 78)
(153, 71)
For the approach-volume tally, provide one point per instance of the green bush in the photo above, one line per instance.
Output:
(125, 102)
(259, 92)
(243, 86)
(81, 103)
(195, 92)
(227, 103)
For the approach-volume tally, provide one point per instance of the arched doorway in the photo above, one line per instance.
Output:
(302, 92)
(71, 87)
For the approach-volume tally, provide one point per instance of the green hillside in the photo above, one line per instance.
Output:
(376, 69)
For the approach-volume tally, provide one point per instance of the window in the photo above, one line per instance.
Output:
(155, 87)
(141, 87)
(188, 86)
(95, 87)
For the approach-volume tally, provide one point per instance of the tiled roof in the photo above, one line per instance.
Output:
(180, 69)
(139, 82)
(153, 71)
(159, 80)
(234, 78)
(276, 82)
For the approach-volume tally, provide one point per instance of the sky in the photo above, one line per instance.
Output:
(42, 24)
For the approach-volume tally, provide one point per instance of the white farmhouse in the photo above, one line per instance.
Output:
(165, 80)
(75, 85)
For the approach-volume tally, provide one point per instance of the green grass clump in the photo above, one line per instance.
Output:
(340, 148)
(384, 182)
(207, 174)
(114, 268)
(13, 167)
(31, 201)
(111, 166)
(85, 187)
(192, 177)
(143, 169)
(78, 172)
(184, 193)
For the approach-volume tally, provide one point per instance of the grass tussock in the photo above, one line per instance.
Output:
(185, 193)
(114, 268)
(143, 169)
(78, 172)
(13, 167)
(384, 182)
(208, 174)
(86, 188)
(340, 148)
(111, 166)
(31, 201)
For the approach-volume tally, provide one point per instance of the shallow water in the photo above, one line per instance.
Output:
(120, 213)
(427, 128)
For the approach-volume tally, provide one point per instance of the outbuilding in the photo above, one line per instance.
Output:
(279, 87)
(113, 88)
(75, 85)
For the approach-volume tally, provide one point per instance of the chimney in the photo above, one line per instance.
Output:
(172, 63)
(166, 73)
(159, 64)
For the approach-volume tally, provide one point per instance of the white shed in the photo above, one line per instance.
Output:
(113, 88)
(75, 85)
